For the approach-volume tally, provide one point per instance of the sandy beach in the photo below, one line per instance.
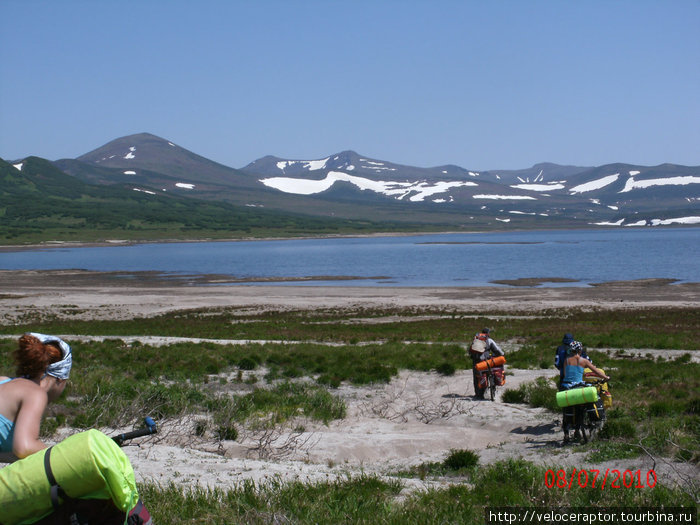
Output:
(126, 295)
(418, 417)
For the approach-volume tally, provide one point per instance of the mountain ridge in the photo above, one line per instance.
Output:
(350, 185)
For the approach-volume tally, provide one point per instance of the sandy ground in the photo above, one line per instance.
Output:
(78, 293)
(417, 418)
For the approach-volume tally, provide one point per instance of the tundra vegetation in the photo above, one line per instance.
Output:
(227, 390)
(73, 210)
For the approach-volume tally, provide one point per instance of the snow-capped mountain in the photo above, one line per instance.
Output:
(544, 189)
(348, 184)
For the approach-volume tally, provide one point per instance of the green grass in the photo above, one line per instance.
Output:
(370, 500)
(539, 393)
(659, 328)
(461, 463)
(270, 407)
(656, 401)
(116, 384)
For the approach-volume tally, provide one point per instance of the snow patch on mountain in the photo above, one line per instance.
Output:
(632, 184)
(504, 197)
(653, 222)
(539, 187)
(373, 165)
(605, 223)
(377, 168)
(594, 184)
(19, 166)
(185, 185)
(398, 190)
(677, 220)
(130, 155)
(311, 165)
(425, 189)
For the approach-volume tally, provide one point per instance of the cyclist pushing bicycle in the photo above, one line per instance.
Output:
(574, 367)
(482, 349)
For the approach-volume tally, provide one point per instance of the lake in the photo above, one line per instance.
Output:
(439, 260)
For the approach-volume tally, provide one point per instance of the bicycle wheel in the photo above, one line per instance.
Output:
(595, 418)
(492, 387)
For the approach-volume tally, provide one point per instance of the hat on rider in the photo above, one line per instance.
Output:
(574, 348)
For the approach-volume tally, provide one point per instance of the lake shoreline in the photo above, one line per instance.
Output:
(79, 294)
(48, 245)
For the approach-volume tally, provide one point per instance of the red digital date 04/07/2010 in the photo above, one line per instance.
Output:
(610, 478)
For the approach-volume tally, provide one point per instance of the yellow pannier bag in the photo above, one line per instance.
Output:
(88, 465)
(605, 395)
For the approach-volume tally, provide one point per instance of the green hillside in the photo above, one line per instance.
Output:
(42, 203)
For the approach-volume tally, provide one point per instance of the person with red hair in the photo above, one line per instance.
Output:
(43, 365)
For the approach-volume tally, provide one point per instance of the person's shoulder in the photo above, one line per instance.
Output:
(31, 394)
(25, 385)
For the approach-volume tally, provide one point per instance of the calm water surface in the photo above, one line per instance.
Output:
(588, 256)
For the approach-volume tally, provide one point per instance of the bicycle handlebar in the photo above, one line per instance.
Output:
(150, 429)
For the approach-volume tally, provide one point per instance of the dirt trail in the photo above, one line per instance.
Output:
(417, 418)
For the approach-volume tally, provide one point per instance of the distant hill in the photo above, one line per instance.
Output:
(39, 202)
(353, 187)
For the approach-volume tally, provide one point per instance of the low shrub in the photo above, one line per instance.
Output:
(200, 427)
(538, 393)
(329, 380)
(227, 433)
(445, 369)
(515, 396)
(610, 450)
(282, 402)
(618, 428)
(247, 363)
(461, 459)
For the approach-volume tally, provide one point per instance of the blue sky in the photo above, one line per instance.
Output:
(481, 84)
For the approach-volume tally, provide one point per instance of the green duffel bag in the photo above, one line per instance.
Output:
(88, 465)
(576, 396)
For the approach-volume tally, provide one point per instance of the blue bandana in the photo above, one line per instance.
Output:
(60, 369)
